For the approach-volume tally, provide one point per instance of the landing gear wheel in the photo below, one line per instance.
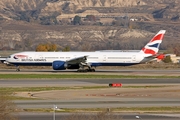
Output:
(18, 69)
(86, 70)
(80, 70)
(91, 70)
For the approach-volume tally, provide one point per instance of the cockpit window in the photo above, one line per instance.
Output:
(9, 57)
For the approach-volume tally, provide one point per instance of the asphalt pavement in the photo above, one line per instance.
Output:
(93, 102)
(99, 102)
(75, 82)
(87, 116)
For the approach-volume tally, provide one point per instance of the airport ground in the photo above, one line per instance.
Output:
(95, 93)
(116, 116)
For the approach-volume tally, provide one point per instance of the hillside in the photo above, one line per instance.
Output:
(23, 36)
(17, 9)
(20, 24)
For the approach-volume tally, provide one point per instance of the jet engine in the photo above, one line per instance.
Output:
(61, 65)
(58, 65)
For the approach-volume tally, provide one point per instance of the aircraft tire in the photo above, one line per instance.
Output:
(82, 70)
(86, 70)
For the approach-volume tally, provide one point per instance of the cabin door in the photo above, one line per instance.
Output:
(134, 58)
(104, 57)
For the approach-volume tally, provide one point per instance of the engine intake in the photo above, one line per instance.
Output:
(58, 65)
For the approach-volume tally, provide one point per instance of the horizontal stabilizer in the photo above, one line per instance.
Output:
(158, 56)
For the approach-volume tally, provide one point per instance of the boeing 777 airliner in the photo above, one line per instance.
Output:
(80, 60)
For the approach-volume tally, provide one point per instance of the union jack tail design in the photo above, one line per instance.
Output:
(153, 46)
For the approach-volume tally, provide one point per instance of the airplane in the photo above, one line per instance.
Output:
(90, 60)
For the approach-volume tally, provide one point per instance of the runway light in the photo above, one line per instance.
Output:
(115, 85)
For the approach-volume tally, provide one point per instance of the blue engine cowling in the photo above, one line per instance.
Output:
(58, 65)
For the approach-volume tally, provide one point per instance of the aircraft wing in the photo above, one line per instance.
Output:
(2, 59)
(77, 60)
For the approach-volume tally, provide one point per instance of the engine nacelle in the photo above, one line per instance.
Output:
(59, 65)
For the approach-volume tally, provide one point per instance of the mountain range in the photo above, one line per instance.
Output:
(167, 9)
(20, 28)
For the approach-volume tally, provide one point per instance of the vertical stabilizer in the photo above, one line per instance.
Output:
(153, 46)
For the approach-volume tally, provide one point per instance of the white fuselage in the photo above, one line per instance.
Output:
(97, 58)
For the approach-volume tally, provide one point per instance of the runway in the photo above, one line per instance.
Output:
(143, 72)
(88, 102)
(99, 103)
(118, 116)
(134, 100)
(80, 82)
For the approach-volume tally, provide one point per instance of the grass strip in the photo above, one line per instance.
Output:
(118, 109)
(61, 76)
(36, 89)
(22, 98)
(31, 89)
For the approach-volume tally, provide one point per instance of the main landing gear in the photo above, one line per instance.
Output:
(82, 65)
(17, 68)
(86, 70)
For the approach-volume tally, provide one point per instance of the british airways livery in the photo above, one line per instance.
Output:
(80, 60)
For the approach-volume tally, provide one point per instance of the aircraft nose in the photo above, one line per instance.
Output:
(8, 58)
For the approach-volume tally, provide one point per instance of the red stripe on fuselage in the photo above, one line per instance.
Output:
(20, 56)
